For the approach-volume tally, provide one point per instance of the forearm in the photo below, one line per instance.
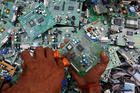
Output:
(92, 90)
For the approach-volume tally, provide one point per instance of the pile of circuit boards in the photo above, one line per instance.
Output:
(82, 28)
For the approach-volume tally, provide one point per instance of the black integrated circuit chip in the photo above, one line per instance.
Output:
(32, 23)
(131, 43)
(118, 22)
(106, 2)
(129, 33)
(69, 47)
(71, 8)
(80, 47)
(40, 20)
(72, 0)
(56, 7)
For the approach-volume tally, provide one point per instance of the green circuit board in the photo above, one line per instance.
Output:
(85, 52)
(96, 30)
(7, 10)
(124, 32)
(23, 41)
(36, 21)
(5, 30)
(56, 37)
(66, 12)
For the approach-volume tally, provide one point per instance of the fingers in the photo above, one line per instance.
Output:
(49, 53)
(59, 63)
(103, 63)
(104, 58)
(25, 56)
(39, 53)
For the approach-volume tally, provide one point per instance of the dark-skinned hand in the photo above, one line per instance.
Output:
(93, 76)
(42, 73)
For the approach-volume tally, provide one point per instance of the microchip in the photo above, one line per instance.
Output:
(131, 43)
(80, 47)
(139, 24)
(129, 33)
(106, 2)
(72, 0)
(71, 8)
(40, 20)
(132, 23)
(118, 22)
(32, 23)
(139, 59)
(69, 47)
(56, 7)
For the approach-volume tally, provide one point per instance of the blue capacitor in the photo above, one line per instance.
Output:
(84, 60)
(95, 1)
(88, 64)
(81, 61)
(64, 82)
(4, 72)
(73, 40)
(77, 41)
(4, 51)
(8, 78)
(84, 56)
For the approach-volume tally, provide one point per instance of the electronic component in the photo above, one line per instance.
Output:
(100, 9)
(129, 38)
(84, 57)
(59, 36)
(36, 21)
(95, 30)
(118, 22)
(5, 30)
(129, 88)
(80, 30)
(7, 10)
(123, 35)
(132, 23)
(66, 12)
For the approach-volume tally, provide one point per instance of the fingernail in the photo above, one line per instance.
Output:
(104, 54)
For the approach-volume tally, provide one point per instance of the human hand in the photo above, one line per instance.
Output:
(42, 73)
(94, 74)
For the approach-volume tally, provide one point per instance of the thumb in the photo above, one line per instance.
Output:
(79, 79)
(104, 58)
(103, 63)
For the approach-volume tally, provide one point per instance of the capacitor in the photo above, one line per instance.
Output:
(83, 55)
(87, 13)
(84, 60)
(8, 78)
(4, 72)
(73, 17)
(95, 1)
(73, 40)
(81, 61)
